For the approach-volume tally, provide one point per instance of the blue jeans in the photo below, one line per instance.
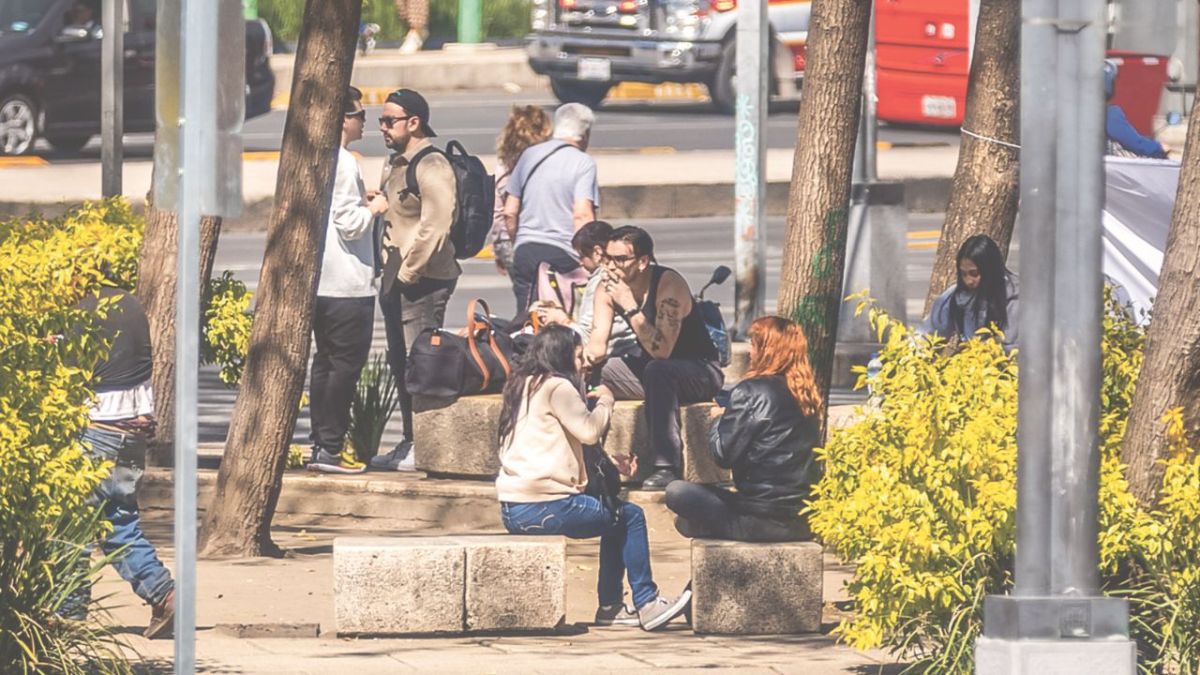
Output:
(135, 559)
(624, 546)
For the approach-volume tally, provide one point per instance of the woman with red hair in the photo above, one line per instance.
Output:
(766, 435)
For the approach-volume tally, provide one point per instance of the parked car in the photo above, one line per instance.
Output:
(50, 71)
(587, 46)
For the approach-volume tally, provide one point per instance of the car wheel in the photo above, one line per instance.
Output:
(723, 88)
(574, 91)
(18, 124)
(68, 143)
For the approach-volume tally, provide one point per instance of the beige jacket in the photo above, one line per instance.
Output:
(419, 228)
(542, 459)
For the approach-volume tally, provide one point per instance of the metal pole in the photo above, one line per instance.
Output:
(470, 21)
(1077, 307)
(871, 120)
(1057, 620)
(750, 192)
(1036, 320)
(199, 92)
(112, 104)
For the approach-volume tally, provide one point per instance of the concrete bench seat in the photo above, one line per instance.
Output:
(740, 588)
(456, 438)
(448, 585)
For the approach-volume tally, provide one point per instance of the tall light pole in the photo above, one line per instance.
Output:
(1056, 619)
(112, 92)
(200, 106)
(750, 189)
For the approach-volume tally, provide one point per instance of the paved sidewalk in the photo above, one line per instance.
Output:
(298, 589)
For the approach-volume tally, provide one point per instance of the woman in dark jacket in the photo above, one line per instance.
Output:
(766, 436)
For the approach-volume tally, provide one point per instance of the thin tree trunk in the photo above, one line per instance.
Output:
(814, 252)
(986, 182)
(238, 522)
(156, 291)
(1170, 376)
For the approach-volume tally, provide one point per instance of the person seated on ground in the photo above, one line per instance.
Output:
(985, 295)
(675, 362)
(1123, 139)
(766, 435)
(589, 243)
(544, 424)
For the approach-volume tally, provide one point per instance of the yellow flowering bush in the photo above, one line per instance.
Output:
(46, 348)
(921, 494)
(226, 327)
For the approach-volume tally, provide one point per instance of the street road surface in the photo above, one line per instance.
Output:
(475, 119)
(692, 246)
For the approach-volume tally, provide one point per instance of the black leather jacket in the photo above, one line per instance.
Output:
(768, 443)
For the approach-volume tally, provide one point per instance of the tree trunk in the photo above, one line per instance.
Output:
(983, 199)
(1170, 376)
(814, 253)
(156, 291)
(238, 522)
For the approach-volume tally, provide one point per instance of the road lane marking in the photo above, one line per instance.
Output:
(22, 160)
(261, 156)
(925, 234)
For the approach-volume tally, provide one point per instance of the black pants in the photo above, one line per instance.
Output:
(710, 512)
(342, 330)
(525, 268)
(665, 384)
(408, 310)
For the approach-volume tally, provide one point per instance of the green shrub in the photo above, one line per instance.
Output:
(46, 267)
(921, 495)
(225, 329)
(501, 18)
(374, 402)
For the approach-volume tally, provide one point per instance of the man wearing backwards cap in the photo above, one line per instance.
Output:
(419, 268)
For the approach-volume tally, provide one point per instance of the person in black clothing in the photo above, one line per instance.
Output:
(766, 435)
(673, 363)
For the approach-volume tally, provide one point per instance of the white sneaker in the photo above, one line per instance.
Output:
(401, 458)
(412, 43)
(409, 463)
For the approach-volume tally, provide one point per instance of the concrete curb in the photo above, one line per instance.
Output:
(620, 202)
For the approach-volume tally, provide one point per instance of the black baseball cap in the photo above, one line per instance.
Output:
(414, 104)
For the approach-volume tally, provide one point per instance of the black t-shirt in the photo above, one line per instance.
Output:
(129, 361)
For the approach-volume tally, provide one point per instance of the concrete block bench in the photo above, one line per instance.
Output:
(456, 438)
(756, 589)
(445, 585)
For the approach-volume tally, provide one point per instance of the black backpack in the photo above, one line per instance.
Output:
(475, 197)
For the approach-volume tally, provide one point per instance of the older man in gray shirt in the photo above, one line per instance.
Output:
(552, 192)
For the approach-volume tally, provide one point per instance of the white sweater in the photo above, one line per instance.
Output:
(542, 459)
(348, 267)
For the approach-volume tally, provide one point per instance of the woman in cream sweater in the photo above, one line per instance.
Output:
(544, 424)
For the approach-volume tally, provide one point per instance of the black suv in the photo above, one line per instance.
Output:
(50, 71)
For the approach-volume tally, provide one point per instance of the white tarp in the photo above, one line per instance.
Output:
(1138, 202)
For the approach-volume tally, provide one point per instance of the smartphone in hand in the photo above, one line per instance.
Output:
(722, 398)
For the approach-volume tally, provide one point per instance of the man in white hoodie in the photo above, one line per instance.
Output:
(344, 316)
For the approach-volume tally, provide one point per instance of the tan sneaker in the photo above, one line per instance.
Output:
(659, 611)
(162, 619)
(616, 615)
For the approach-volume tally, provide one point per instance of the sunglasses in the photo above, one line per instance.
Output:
(389, 122)
(620, 259)
(357, 115)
